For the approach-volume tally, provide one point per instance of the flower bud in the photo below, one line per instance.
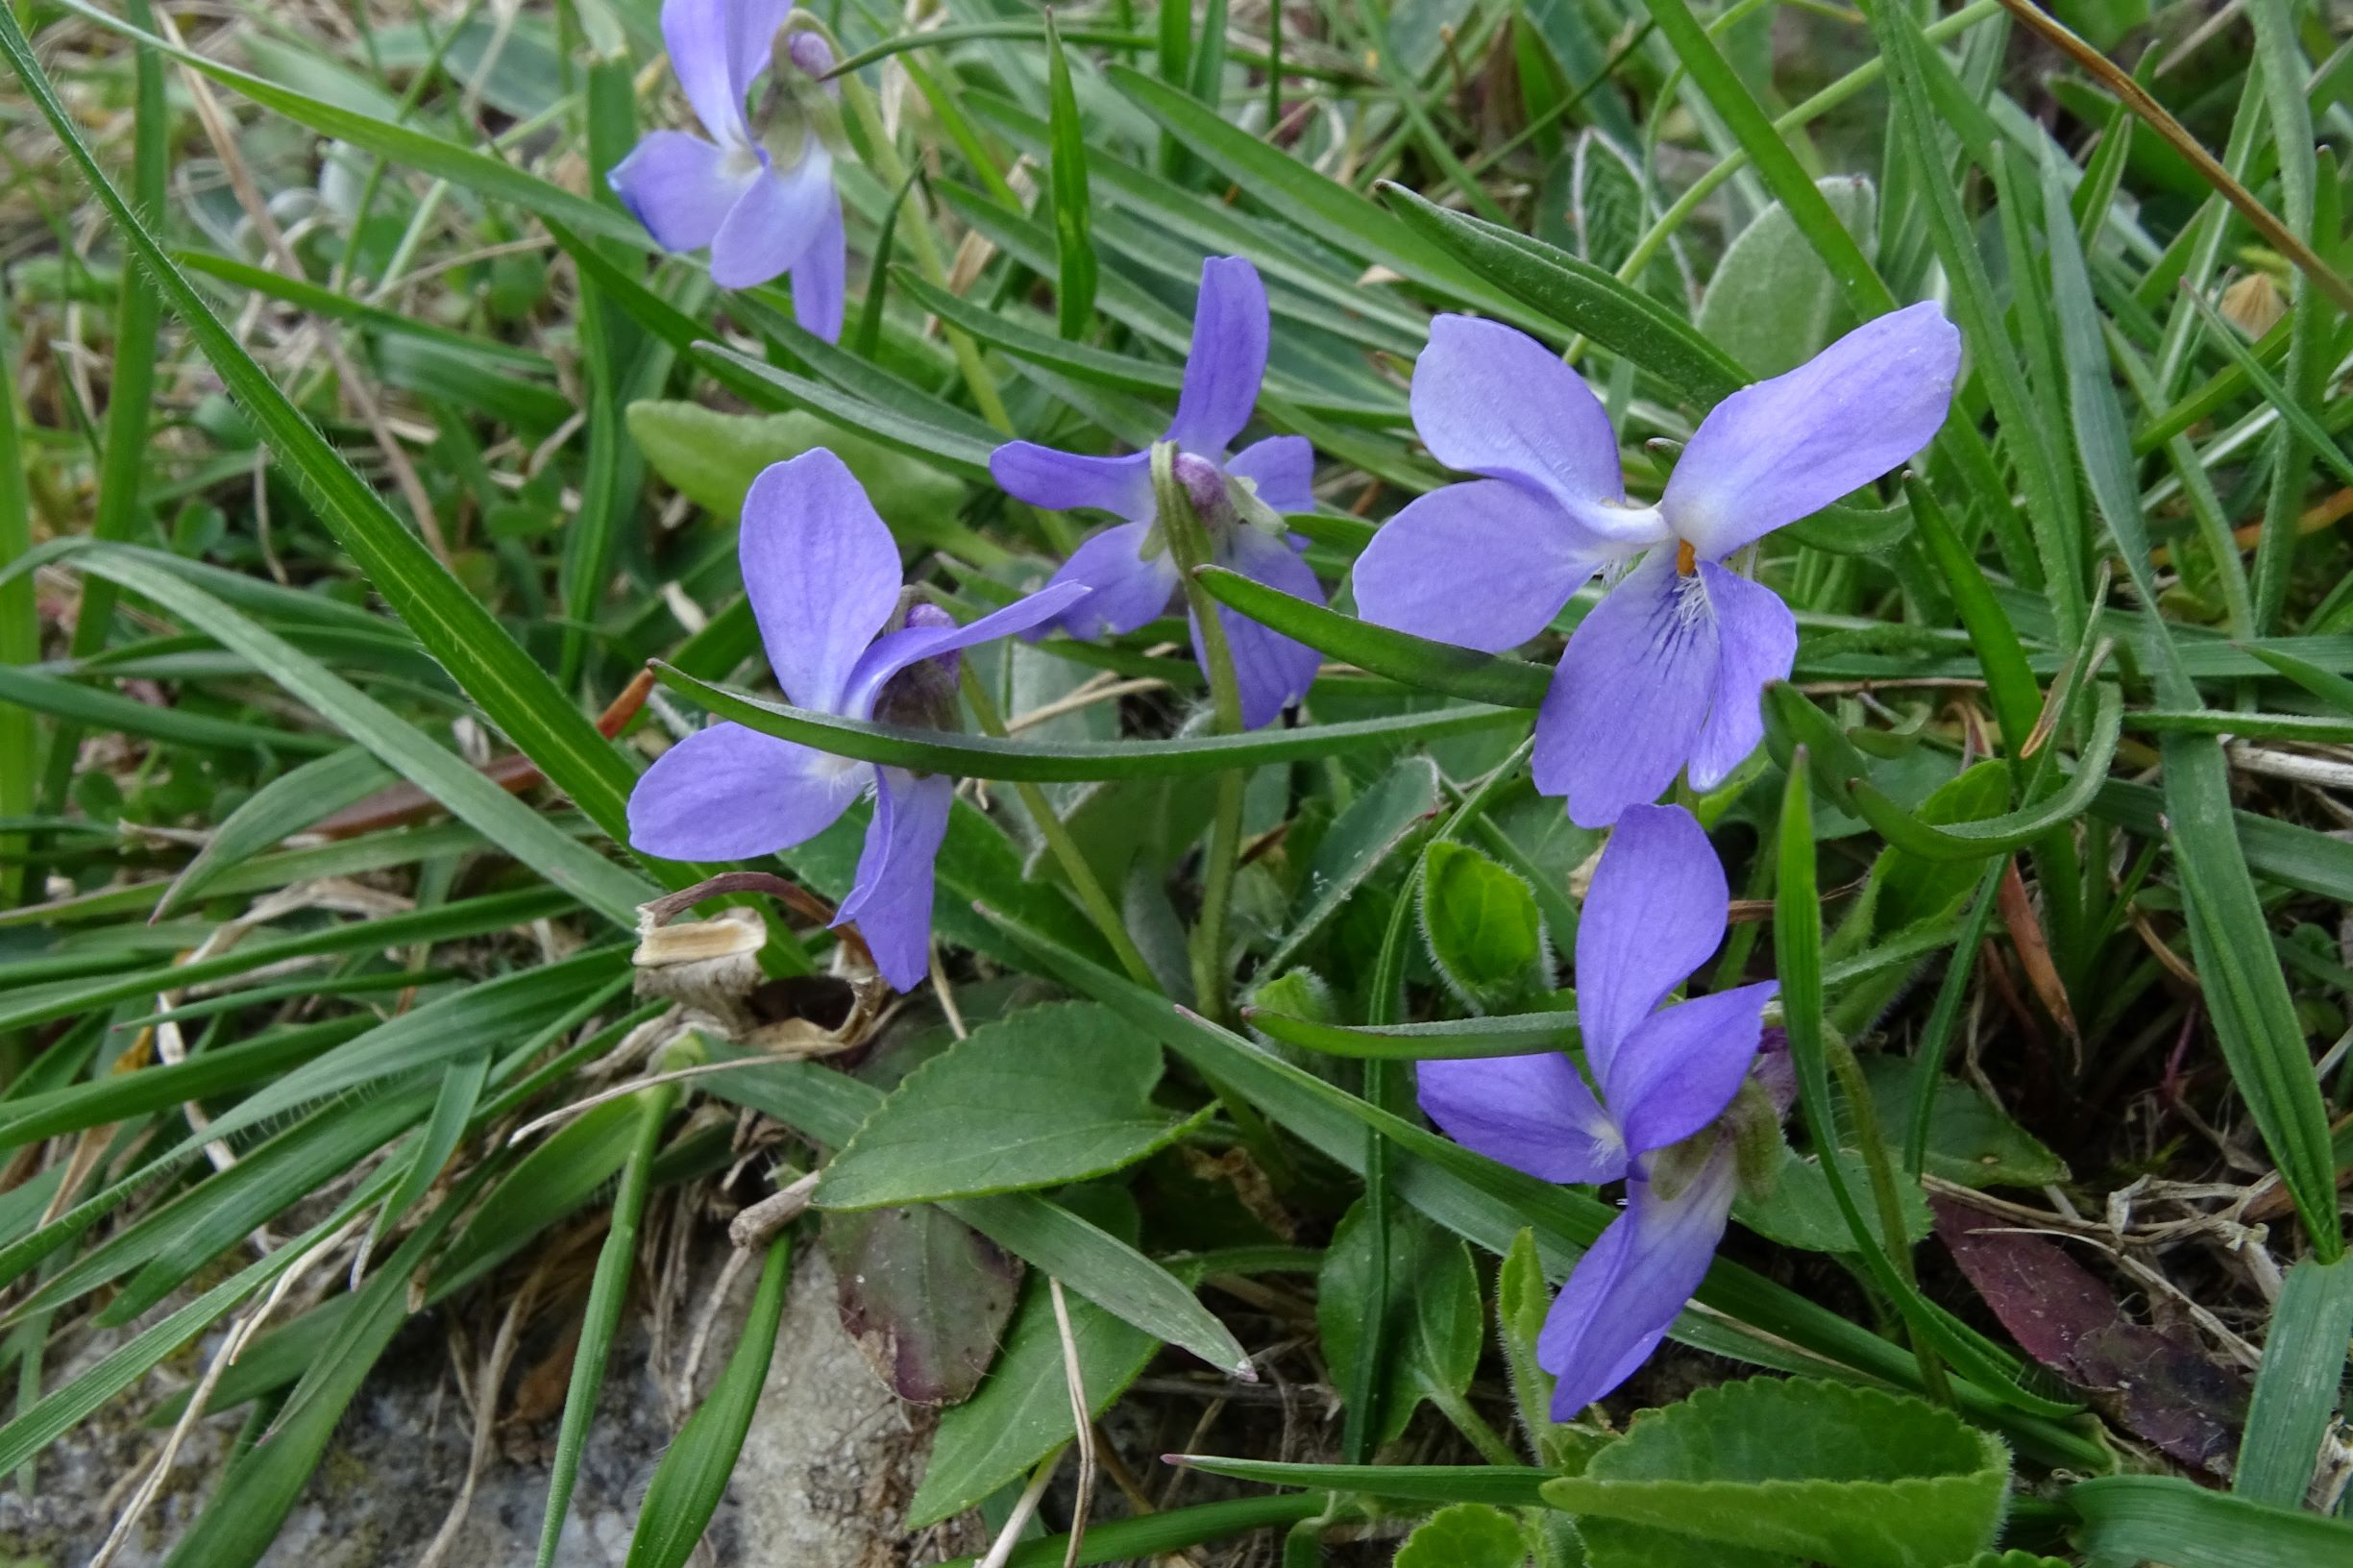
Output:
(1205, 487)
(799, 105)
(811, 54)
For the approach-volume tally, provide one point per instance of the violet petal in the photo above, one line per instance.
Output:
(1773, 452)
(892, 897)
(728, 792)
(1531, 1112)
(1228, 359)
(1487, 565)
(1625, 1292)
(1656, 910)
(1628, 699)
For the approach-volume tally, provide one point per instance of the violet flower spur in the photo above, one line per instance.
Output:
(762, 199)
(1656, 910)
(1664, 675)
(844, 637)
(1239, 498)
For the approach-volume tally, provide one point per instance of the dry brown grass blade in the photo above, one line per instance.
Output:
(2034, 952)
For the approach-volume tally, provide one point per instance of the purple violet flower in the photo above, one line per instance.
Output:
(1656, 910)
(1240, 500)
(844, 637)
(1664, 675)
(763, 200)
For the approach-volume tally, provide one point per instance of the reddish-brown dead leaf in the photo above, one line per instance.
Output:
(2158, 1383)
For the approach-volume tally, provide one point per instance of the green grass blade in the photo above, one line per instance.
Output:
(1157, 1535)
(489, 177)
(2296, 1389)
(181, 1237)
(514, 692)
(120, 1096)
(2102, 446)
(442, 1030)
(938, 443)
(109, 712)
(20, 641)
(1580, 297)
(28, 1004)
(124, 458)
(2018, 702)
(2254, 1015)
(2291, 410)
(2166, 1519)
(471, 796)
(2011, 831)
(284, 806)
(2315, 729)
(693, 1475)
(2325, 684)
(454, 1105)
(319, 301)
(1337, 214)
(2048, 492)
(1497, 1485)
(1123, 372)
(1713, 76)
(601, 1318)
(1067, 179)
(2284, 853)
(1401, 656)
(67, 1407)
(983, 756)
(1449, 1040)
(243, 1516)
(585, 565)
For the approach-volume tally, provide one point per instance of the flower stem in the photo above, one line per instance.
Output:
(1255, 1134)
(1473, 1426)
(1083, 881)
(1188, 543)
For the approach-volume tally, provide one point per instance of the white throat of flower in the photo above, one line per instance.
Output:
(1691, 601)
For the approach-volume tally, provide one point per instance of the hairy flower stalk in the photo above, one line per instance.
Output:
(1664, 675)
(760, 193)
(1235, 498)
(1180, 484)
(844, 636)
(1659, 1112)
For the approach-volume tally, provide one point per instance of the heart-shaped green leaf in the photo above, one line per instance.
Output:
(1465, 1535)
(1853, 1477)
(1433, 1317)
(1051, 1094)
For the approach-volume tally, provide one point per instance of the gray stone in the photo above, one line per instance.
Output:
(828, 1465)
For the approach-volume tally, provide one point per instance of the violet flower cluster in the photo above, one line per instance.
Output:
(1664, 675)
(844, 637)
(1661, 1079)
(759, 193)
